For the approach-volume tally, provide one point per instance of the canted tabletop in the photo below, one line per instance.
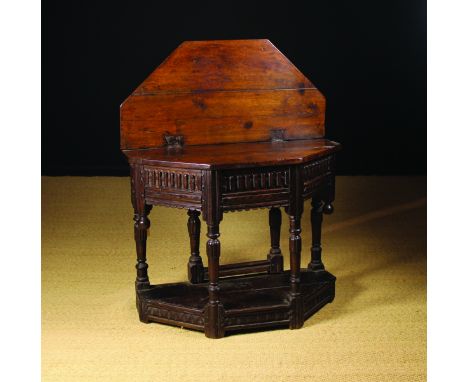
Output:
(235, 155)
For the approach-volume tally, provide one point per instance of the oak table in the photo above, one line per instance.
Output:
(228, 126)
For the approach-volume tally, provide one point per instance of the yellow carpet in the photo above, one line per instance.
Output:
(375, 330)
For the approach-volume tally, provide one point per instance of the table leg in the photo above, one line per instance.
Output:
(275, 256)
(213, 214)
(295, 246)
(214, 309)
(195, 263)
(316, 218)
(295, 210)
(141, 226)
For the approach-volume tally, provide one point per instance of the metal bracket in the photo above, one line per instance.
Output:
(277, 135)
(174, 140)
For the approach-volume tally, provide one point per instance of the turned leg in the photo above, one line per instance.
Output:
(275, 256)
(214, 309)
(141, 227)
(294, 210)
(316, 218)
(142, 224)
(213, 214)
(295, 246)
(195, 263)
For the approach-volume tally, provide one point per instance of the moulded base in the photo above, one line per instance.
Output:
(247, 302)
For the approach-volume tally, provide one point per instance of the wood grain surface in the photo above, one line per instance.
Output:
(213, 92)
(236, 154)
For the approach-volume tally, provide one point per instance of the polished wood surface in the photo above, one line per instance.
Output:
(213, 92)
(197, 66)
(236, 154)
(226, 126)
(221, 117)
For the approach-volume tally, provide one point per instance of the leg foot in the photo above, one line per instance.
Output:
(214, 320)
(141, 314)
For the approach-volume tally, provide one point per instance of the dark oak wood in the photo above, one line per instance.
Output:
(294, 210)
(250, 302)
(195, 263)
(258, 266)
(316, 217)
(226, 126)
(141, 226)
(275, 256)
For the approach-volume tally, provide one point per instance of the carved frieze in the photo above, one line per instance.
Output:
(256, 318)
(255, 188)
(173, 187)
(254, 180)
(183, 317)
(175, 179)
(315, 173)
(314, 301)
